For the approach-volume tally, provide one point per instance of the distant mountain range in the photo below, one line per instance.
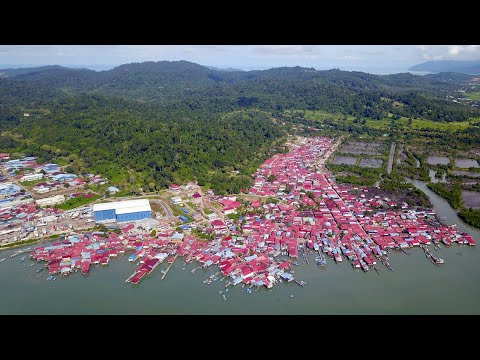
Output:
(462, 67)
(21, 71)
(220, 69)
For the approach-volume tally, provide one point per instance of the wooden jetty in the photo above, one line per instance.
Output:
(168, 269)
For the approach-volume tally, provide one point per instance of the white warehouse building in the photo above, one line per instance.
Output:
(50, 201)
(31, 177)
(121, 211)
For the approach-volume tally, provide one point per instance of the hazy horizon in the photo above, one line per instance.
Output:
(376, 59)
(105, 67)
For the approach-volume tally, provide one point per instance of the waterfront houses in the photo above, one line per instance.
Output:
(299, 211)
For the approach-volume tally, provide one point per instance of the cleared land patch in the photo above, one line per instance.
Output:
(344, 160)
(466, 173)
(371, 163)
(363, 148)
(473, 95)
(438, 160)
(466, 163)
(471, 199)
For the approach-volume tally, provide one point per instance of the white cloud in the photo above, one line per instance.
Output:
(454, 50)
(449, 52)
(349, 57)
(279, 49)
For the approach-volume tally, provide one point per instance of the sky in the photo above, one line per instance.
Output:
(369, 58)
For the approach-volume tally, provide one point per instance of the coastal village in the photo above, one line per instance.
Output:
(294, 212)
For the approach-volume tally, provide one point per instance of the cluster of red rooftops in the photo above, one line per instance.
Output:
(314, 214)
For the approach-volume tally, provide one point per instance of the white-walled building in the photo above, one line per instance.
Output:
(31, 177)
(53, 200)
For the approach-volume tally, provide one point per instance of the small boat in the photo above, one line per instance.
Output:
(458, 253)
(224, 297)
(3, 259)
(39, 269)
(322, 261)
(364, 266)
(31, 265)
(22, 259)
(54, 278)
(39, 275)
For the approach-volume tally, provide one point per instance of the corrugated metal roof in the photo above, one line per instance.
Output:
(133, 209)
(121, 206)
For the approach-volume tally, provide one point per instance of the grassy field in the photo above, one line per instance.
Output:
(33, 182)
(418, 124)
(385, 124)
(322, 115)
(192, 205)
(177, 211)
(157, 208)
(473, 95)
(76, 202)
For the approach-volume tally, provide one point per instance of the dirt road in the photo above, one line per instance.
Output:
(390, 159)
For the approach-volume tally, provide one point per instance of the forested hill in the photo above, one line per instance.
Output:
(21, 71)
(150, 124)
(185, 84)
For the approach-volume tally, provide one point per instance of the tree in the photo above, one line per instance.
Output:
(153, 233)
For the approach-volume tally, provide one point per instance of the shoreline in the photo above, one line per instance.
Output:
(38, 240)
(28, 242)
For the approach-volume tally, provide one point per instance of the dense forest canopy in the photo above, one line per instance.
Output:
(150, 124)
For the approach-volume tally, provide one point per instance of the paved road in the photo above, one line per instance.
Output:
(390, 160)
(322, 160)
(165, 207)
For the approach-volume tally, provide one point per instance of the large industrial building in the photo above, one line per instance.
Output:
(121, 211)
(50, 201)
